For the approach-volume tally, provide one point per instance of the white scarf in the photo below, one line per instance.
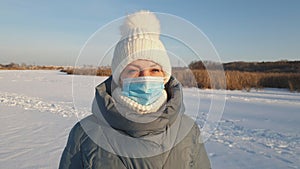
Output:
(125, 104)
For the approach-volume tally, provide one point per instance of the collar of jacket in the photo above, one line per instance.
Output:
(168, 112)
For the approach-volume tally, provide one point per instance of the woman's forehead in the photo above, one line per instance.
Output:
(143, 64)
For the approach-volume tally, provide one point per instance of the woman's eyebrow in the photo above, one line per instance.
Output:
(138, 66)
(154, 65)
(133, 65)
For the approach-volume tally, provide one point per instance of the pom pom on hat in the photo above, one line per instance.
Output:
(140, 40)
(144, 20)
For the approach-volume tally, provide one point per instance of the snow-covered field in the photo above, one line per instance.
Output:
(259, 129)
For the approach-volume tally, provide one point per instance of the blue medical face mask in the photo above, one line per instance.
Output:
(144, 90)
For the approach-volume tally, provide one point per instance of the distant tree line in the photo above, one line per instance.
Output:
(23, 66)
(237, 80)
(88, 70)
(245, 75)
(275, 67)
(208, 74)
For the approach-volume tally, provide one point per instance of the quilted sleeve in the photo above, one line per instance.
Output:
(71, 156)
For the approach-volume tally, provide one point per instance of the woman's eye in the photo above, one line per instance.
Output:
(156, 70)
(132, 71)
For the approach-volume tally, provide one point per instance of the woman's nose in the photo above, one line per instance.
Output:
(144, 73)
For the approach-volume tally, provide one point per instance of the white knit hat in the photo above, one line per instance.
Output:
(140, 40)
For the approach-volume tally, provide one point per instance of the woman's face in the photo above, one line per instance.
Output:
(140, 68)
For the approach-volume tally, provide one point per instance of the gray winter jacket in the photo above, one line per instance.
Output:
(106, 139)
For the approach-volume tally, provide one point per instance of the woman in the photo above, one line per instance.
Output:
(138, 116)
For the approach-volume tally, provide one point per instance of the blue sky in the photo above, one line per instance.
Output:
(53, 32)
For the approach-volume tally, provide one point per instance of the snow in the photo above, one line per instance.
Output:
(258, 129)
